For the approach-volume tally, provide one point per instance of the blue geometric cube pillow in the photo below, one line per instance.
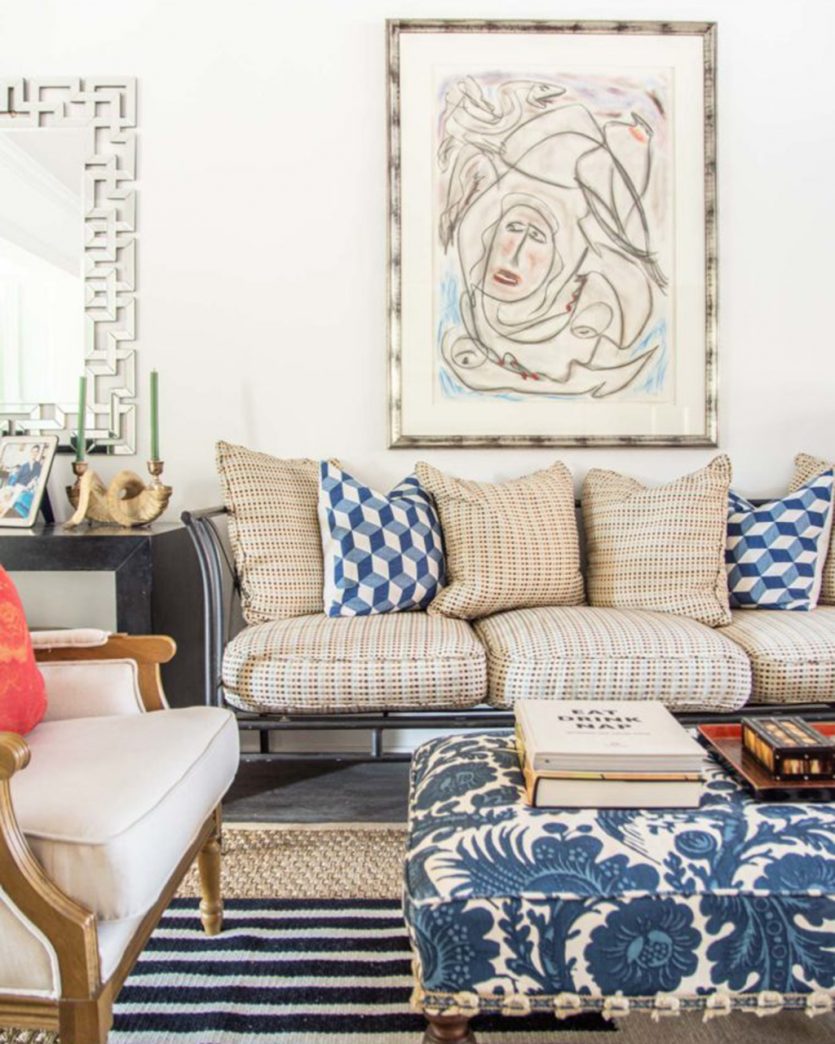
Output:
(775, 552)
(383, 553)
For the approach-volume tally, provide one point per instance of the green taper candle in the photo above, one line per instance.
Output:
(154, 415)
(82, 411)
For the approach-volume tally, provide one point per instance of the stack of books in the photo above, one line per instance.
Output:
(606, 754)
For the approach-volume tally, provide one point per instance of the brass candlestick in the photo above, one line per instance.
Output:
(127, 501)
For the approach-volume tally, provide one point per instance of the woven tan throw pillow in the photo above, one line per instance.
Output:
(508, 546)
(661, 547)
(806, 468)
(274, 530)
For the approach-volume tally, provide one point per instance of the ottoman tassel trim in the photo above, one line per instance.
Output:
(769, 1002)
(716, 1005)
(818, 1004)
(467, 1004)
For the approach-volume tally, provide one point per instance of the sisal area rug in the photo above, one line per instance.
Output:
(314, 952)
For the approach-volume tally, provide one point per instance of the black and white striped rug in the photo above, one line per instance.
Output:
(305, 971)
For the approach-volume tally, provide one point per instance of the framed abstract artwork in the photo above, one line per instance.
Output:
(552, 236)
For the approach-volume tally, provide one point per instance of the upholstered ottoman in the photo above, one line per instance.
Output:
(515, 910)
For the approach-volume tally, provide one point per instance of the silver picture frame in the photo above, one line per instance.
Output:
(417, 415)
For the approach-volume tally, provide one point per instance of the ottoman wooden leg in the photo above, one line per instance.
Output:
(448, 1029)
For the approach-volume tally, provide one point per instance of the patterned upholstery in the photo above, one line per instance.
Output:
(805, 468)
(659, 548)
(776, 551)
(507, 545)
(583, 652)
(274, 530)
(383, 552)
(792, 654)
(318, 664)
(515, 909)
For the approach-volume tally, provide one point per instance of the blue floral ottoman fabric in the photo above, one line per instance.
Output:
(515, 909)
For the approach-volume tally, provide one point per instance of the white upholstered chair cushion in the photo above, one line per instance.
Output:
(581, 652)
(792, 653)
(109, 805)
(91, 688)
(317, 664)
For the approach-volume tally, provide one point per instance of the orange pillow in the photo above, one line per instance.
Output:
(22, 690)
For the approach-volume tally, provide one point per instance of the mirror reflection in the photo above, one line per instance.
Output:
(41, 264)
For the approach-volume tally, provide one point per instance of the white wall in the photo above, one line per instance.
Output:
(262, 167)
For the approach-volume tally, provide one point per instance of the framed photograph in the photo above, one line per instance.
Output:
(24, 469)
(552, 238)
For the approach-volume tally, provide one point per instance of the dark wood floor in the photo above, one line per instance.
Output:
(329, 792)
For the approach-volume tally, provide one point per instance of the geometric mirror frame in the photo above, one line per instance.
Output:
(105, 108)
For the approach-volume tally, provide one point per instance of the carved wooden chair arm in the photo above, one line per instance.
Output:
(14, 754)
(147, 651)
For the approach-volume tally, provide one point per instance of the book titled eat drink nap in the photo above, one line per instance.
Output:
(606, 754)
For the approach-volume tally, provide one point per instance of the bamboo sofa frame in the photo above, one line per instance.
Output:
(83, 1013)
(223, 620)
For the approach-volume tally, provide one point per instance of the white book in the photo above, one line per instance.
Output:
(580, 793)
(605, 736)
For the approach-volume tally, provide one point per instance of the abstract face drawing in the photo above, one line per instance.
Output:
(522, 254)
(551, 204)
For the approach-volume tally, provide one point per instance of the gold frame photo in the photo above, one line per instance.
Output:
(25, 463)
(552, 233)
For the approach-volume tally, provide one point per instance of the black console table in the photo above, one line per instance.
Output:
(158, 584)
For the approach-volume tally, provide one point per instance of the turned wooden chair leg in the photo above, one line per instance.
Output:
(448, 1029)
(208, 866)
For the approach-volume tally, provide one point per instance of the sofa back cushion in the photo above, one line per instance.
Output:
(274, 532)
(510, 545)
(660, 548)
(382, 551)
(776, 550)
(807, 467)
(22, 690)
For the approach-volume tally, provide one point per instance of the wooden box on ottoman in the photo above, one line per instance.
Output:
(514, 909)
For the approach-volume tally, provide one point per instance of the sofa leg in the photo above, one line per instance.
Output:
(448, 1029)
(208, 866)
(85, 1022)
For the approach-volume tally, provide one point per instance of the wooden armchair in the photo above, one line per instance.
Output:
(103, 808)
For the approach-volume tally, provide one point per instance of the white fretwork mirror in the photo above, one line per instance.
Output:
(67, 258)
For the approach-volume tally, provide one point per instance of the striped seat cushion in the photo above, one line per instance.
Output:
(622, 654)
(792, 654)
(318, 664)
